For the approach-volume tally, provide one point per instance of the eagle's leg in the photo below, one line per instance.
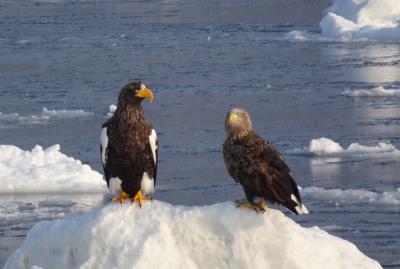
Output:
(139, 197)
(258, 207)
(122, 196)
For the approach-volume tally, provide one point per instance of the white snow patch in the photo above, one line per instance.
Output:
(375, 92)
(164, 236)
(353, 196)
(111, 110)
(45, 171)
(44, 117)
(349, 20)
(325, 147)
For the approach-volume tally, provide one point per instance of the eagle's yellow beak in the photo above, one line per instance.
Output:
(233, 118)
(145, 93)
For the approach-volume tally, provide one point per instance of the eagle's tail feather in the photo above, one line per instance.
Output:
(300, 208)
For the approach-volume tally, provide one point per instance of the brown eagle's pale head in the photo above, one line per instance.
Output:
(237, 123)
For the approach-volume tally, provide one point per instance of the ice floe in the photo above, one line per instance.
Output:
(325, 147)
(164, 236)
(362, 19)
(111, 110)
(44, 117)
(45, 171)
(297, 36)
(379, 91)
(352, 196)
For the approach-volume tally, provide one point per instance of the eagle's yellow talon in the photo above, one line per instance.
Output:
(122, 196)
(258, 207)
(139, 197)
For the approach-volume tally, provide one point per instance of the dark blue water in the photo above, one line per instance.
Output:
(201, 58)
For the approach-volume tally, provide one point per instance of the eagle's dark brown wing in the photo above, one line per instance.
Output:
(262, 171)
(128, 157)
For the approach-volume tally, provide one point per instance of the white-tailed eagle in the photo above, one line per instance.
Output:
(258, 166)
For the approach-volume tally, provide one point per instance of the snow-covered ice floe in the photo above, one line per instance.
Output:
(375, 92)
(362, 19)
(45, 171)
(164, 236)
(325, 147)
(44, 117)
(352, 196)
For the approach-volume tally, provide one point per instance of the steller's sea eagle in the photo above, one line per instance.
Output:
(258, 166)
(129, 147)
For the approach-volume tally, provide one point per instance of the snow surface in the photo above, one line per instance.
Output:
(164, 236)
(352, 196)
(362, 19)
(44, 117)
(45, 171)
(375, 92)
(325, 147)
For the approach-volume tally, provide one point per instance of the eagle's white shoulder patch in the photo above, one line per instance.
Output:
(147, 184)
(104, 144)
(153, 144)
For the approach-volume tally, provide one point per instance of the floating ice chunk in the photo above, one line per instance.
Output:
(111, 110)
(325, 147)
(164, 236)
(375, 92)
(296, 36)
(362, 19)
(353, 196)
(65, 114)
(45, 171)
(44, 117)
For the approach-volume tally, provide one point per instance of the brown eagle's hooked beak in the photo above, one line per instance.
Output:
(233, 118)
(145, 93)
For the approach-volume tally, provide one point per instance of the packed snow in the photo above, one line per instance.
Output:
(44, 117)
(375, 92)
(325, 147)
(362, 19)
(352, 196)
(164, 236)
(45, 171)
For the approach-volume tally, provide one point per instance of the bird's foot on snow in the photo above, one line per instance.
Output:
(122, 196)
(258, 207)
(139, 197)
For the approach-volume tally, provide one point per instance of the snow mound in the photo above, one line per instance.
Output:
(45, 171)
(353, 196)
(325, 147)
(44, 117)
(362, 19)
(164, 236)
(375, 92)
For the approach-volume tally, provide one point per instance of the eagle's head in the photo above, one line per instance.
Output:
(134, 93)
(237, 123)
